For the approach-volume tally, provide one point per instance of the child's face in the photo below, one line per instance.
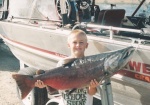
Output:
(77, 44)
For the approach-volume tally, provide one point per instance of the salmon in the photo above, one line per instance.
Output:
(78, 73)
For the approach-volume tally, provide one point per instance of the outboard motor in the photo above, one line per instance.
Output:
(86, 10)
(90, 11)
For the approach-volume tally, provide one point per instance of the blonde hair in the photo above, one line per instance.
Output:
(77, 32)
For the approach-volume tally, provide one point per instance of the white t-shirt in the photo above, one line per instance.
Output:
(78, 97)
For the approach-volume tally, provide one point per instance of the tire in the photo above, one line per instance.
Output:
(37, 96)
(40, 96)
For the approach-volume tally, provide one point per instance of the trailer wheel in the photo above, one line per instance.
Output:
(41, 96)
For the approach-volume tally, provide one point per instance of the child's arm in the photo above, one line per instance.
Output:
(92, 88)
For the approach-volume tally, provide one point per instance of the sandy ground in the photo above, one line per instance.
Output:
(8, 65)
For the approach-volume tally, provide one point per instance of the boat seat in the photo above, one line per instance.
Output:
(111, 17)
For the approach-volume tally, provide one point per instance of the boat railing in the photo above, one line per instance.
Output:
(111, 35)
(35, 19)
(110, 28)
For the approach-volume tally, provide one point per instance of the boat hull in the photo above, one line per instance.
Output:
(41, 48)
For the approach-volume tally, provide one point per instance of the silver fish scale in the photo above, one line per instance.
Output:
(89, 68)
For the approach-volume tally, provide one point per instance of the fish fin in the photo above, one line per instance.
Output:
(71, 91)
(24, 83)
(51, 90)
(68, 61)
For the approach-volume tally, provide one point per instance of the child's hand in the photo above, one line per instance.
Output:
(40, 84)
(92, 88)
(94, 83)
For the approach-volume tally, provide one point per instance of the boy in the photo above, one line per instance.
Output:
(77, 42)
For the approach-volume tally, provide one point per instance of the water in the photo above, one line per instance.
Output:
(130, 8)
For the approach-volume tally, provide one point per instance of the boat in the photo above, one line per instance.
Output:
(36, 32)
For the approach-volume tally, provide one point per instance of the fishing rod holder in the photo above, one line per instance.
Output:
(106, 90)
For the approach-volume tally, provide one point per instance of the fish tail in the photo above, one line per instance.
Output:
(25, 83)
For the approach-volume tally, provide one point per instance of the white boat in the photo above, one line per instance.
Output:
(36, 32)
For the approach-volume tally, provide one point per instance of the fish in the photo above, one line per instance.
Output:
(78, 72)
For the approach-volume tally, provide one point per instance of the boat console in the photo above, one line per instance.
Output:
(111, 17)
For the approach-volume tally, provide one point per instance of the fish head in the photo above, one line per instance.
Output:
(117, 60)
